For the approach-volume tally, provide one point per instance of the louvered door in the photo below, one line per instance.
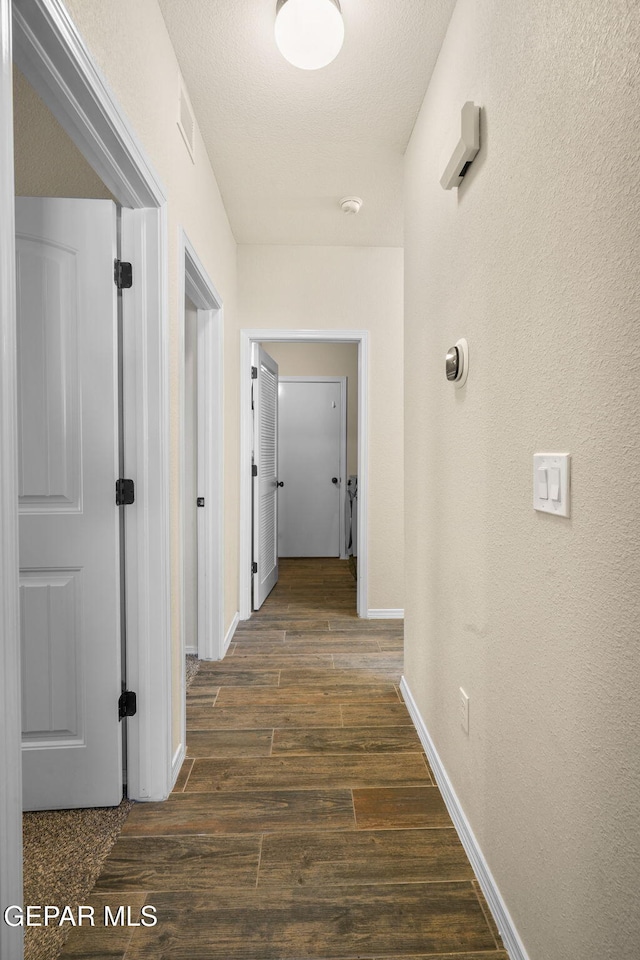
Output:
(265, 483)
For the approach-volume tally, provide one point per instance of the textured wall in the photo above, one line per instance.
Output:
(325, 360)
(47, 161)
(535, 260)
(347, 288)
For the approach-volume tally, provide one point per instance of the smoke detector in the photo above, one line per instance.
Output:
(350, 204)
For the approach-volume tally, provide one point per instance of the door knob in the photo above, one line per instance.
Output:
(280, 483)
(334, 479)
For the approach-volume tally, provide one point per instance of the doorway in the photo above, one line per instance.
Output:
(88, 115)
(201, 484)
(190, 489)
(201, 457)
(307, 370)
(359, 339)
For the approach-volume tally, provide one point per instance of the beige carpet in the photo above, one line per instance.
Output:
(63, 854)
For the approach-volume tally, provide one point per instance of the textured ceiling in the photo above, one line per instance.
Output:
(287, 144)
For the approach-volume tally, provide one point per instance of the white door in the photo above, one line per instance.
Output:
(265, 480)
(310, 429)
(69, 523)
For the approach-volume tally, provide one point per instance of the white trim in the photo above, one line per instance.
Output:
(247, 337)
(147, 546)
(176, 763)
(343, 449)
(233, 626)
(196, 284)
(393, 613)
(10, 728)
(511, 939)
(53, 57)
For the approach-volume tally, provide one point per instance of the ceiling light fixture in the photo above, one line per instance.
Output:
(309, 33)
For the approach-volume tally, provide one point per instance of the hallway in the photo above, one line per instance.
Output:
(305, 822)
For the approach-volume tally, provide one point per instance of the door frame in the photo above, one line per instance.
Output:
(247, 338)
(53, 57)
(343, 449)
(10, 728)
(197, 285)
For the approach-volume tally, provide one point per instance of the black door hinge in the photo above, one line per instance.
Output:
(254, 373)
(254, 567)
(122, 274)
(254, 470)
(200, 501)
(127, 704)
(125, 492)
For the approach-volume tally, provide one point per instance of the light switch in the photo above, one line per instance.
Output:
(552, 483)
(543, 486)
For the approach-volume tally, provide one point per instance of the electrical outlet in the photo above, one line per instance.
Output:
(464, 710)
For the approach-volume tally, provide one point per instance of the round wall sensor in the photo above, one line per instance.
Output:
(457, 363)
(350, 204)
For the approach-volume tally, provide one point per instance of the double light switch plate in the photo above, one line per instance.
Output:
(552, 483)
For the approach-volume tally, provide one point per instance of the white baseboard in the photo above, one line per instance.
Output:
(512, 942)
(393, 613)
(176, 764)
(191, 650)
(230, 632)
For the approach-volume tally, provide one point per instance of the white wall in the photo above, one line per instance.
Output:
(347, 288)
(536, 261)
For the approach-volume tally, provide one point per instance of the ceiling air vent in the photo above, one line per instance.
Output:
(187, 121)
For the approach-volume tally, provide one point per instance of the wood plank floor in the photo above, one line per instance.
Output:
(305, 823)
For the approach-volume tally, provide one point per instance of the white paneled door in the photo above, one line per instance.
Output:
(69, 525)
(310, 431)
(265, 480)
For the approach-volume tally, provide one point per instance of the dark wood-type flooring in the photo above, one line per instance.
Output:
(305, 823)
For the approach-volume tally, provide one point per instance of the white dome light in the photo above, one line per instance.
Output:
(309, 33)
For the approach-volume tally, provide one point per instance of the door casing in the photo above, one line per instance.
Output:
(343, 447)
(247, 338)
(10, 728)
(196, 284)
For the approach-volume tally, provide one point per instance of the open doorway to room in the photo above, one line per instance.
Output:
(316, 383)
(317, 456)
(201, 458)
(319, 521)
